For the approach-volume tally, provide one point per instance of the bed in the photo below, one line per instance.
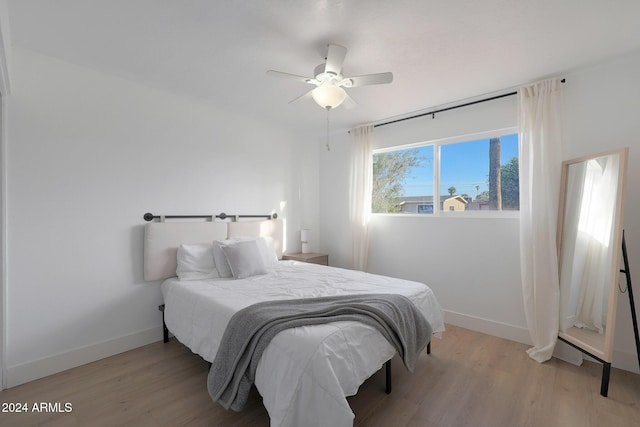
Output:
(305, 373)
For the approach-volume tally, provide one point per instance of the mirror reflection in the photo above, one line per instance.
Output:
(589, 243)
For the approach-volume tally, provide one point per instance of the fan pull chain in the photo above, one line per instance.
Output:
(328, 146)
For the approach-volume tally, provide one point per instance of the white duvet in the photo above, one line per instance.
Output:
(305, 373)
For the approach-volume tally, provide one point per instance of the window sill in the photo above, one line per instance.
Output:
(467, 215)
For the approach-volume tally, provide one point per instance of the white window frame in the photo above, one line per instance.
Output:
(437, 143)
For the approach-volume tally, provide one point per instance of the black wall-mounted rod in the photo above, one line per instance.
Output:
(150, 217)
(434, 112)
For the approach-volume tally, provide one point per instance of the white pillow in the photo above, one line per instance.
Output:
(222, 265)
(245, 259)
(195, 262)
(266, 247)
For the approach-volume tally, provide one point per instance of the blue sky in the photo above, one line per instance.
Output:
(464, 166)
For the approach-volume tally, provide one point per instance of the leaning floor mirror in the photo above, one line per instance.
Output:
(589, 252)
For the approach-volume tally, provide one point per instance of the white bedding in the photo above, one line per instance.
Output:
(306, 372)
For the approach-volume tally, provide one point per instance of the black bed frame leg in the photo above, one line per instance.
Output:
(387, 366)
(604, 385)
(165, 331)
(387, 371)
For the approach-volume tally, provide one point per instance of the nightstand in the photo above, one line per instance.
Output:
(311, 257)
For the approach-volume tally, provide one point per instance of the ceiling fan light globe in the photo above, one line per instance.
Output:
(328, 96)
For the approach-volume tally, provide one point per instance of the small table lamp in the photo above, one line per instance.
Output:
(305, 236)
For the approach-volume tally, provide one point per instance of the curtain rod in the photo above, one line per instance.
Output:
(434, 112)
(150, 217)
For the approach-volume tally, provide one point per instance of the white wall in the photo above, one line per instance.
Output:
(5, 44)
(5, 48)
(478, 282)
(88, 154)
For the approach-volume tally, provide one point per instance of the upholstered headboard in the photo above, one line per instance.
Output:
(270, 228)
(161, 240)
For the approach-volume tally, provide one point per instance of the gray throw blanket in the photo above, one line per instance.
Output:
(251, 329)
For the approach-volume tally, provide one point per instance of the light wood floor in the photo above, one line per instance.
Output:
(470, 379)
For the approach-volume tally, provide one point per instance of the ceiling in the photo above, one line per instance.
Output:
(218, 52)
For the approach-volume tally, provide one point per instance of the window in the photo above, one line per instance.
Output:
(472, 173)
(403, 180)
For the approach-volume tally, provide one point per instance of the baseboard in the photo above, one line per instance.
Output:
(564, 351)
(489, 327)
(25, 372)
(622, 360)
(626, 361)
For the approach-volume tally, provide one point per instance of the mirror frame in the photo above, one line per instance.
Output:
(605, 351)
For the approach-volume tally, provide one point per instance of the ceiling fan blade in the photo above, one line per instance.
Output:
(290, 76)
(349, 103)
(370, 79)
(335, 59)
(301, 97)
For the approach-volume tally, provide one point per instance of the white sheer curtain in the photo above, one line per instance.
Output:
(572, 247)
(539, 112)
(360, 195)
(595, 228)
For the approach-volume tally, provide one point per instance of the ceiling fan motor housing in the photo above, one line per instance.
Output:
(329, 77)
(321, 75)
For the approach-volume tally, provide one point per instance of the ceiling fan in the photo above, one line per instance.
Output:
(329, 81)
